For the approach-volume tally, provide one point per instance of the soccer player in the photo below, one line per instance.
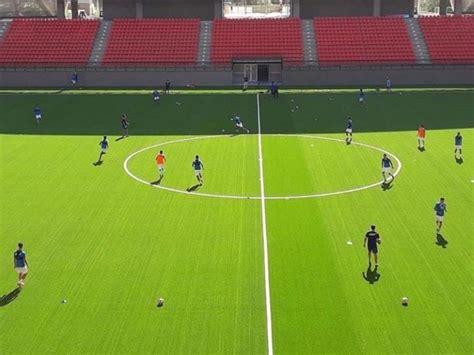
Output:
(440, 209)
(274, 90)
(372, 238)
(458, 145)
(361, 96)
(167, 86)
(387, 167)
(421, 134)
(388, 85)
(238, 124)
(198, 167)
(20, 264)
(160, 162)
(125, 124)
(104, 146)
(349, 130)
(74, 78)
(156, 96)
(38, 114)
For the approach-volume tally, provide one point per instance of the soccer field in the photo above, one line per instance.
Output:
(267, 255)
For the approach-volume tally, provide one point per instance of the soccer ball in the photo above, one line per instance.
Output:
(404, 301)
(161, 302)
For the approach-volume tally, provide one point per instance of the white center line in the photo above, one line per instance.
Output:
(264, 236)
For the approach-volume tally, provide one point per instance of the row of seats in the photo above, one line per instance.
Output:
(449, 39)
(338, 40)
(48, 42)
(153, 41)
(362, 40)
(275, 38)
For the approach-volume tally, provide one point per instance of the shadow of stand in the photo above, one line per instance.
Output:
(441, 241)
(10, 297)
(371, 276)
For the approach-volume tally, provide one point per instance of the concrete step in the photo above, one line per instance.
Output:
(418, 41)
(100, 43)
(205, 42)
(4, 24)
(309, 43)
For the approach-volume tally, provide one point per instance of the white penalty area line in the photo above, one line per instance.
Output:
(264, 236)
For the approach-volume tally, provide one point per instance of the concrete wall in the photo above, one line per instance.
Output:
(203, 9)
(366, 77)
(313, 8)
(119, 9)
(399, 7)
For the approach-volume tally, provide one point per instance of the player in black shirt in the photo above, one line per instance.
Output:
(372, 238)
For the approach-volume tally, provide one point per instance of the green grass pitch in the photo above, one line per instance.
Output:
(111, 245)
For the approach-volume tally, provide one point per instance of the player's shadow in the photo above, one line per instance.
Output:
(10, 297)
(98, 163)
(119, 138)
(387, 186)
(441, 241)
(371, 276)
(459, 160)
(157, 182)
(193, 188)
(421, 149)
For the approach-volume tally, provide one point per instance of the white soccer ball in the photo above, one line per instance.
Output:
(405, 301)
(160, 302)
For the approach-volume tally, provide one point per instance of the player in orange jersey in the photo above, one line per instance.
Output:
(421, 134)
(160, 162)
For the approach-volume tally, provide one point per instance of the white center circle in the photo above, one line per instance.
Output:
(291, 197)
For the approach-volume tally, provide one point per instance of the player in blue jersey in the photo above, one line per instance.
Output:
(458, 146)
(388, 85)
(440, 210)
(238, 124)
(124, 122)
(361, 96)
(387, 167)
(156, 96)
(38, 114)
(74, 78)
(104, 147)
(372, 238)
(20, 264)
(198, 167)
(349, 130)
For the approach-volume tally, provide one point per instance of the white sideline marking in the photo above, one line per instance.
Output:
(236, 197)
(264, 236)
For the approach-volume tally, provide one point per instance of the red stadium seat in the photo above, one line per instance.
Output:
(47, 43)
(152, 41)
(450, 40)
(362, 40)
(256, 38)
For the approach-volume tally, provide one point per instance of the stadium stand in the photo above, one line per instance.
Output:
(362, 40)
(449, 39)
(275, 38)
(152, 41)
(47, 43)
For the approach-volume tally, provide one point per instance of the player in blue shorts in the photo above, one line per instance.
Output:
(440, 210)
(387, 167)
(124, 122)
(38, 114)
(74, 78)
(104, 147)
(238, 123)
(20, 265)
(361, 96)
(349, 130)
(372, 238)
(198, 167)
(156, 96)
(458, 145)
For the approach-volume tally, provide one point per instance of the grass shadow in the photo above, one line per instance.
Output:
(9, 297)
(441, 241)
(371, 276)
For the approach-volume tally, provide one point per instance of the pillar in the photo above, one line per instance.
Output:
(458, 7)
(377, 6)
(295, 8)
(60, 14)
(218, 9)
(74, 8)
(139, 9)
(411, 11)
(443, 7)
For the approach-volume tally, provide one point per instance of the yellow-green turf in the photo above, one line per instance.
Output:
(111, 246)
